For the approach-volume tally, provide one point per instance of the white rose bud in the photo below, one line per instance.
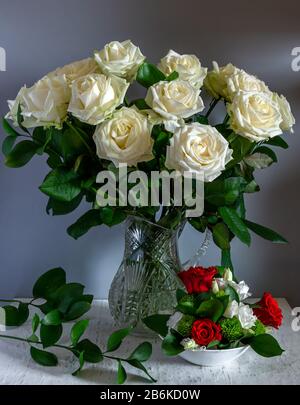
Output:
(174, 100)
(246, 316)
(188, 68)
(255, 116)
(215, 287)
(124, 138)
(122, 59)
(288, 120)
(198, 148)
(216, 81)
(43, 104)
(228, 275)
(96, 96)
(77, 69)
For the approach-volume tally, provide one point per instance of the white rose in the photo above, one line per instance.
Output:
(125, 138)
(174, 100)
(288, 120)
(77, 69)
(246, 316)
(120, 58)
(232, 309)
(96, 96)
(254, 116)
(198, 149)
(242, 81)
(188, 67)
(241, 288)
(43, 104)
(216, 81)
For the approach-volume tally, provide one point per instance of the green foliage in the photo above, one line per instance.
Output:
(221, 236)
(21, 154)
(149, 74)
(171, 345)
(64, 302)
(265, 345)
(259, 328)
(184, 326)
(85, 223)
(231, 329)
(235, 224)
(61, 185)
(212, 309)
(265, 232)
(157, 323)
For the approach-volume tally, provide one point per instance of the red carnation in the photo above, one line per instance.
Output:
(269, 312)
(198, 279)
(205, 331)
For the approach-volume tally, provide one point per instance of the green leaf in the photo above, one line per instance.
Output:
(92, 353)
(235, 224)
(33, 338)
(140, 104)
(199, 224)
(171, 346)
(21, 154)
(116, 338)
(233, 295)
(77, 310)
(137, 364)
(212, 344)
(226, 259)
(78, 330)
(149, 74)
(221, 236)
(20, 119)
(11, 317)
(62, 207)
(122, 375)
(112, 216)
(54, 161)
(241, 147)
(277, 141)
(180, 293)
(50, 334)
(23, 312)
(173, 76)
(52, 318)
(81, 364)
(142, 353)
(35, 323)
(266, 345)
(49, 282)
(8, 144)
(266, 151)
(212, 309)
(66, 295)
(157, 323)
(9, 129)
(265, 233)
(43, 358)
(224, 191)
(61, 184)
(85, 223)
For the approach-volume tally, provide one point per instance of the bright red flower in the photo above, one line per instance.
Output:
(205, 331)
(269, 312)
(198, 279)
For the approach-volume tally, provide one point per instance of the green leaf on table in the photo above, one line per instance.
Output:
(53, 317)
(277, 141)
(235, 224)
(149, 74)
(78, 330)
(265, 232)
(9, 129)
(221, 236)
(81, 364)
(50, 334)
(142, 353)
(43, 357)
(171, 346)
(10, 315)
(49, 282)
(23, 312)
(122, 375)
(87, 221)
(21, 154)
(61, 184)
(212, 309)
(77, 310)
(116, 338)
(157, 323)
(265, 345)
(137, 364)
(92, 353)
(8, 144)
(35, 322)
(172, 76)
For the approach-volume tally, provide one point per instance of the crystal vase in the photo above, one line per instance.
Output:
(146, 281)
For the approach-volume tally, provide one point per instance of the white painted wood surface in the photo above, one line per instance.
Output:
(16, 366)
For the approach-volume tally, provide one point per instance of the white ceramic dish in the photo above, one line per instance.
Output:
(211, 358)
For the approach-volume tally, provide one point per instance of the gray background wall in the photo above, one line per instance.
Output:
(40, 35)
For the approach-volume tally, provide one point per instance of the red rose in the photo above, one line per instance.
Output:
(198, 279)
(269, 312)
(205, 331)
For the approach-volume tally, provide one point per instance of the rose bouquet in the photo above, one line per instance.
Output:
(212, 313)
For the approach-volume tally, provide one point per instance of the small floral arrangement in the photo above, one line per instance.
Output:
(213, 313)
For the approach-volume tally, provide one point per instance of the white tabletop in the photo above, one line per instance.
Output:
(16, 366)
